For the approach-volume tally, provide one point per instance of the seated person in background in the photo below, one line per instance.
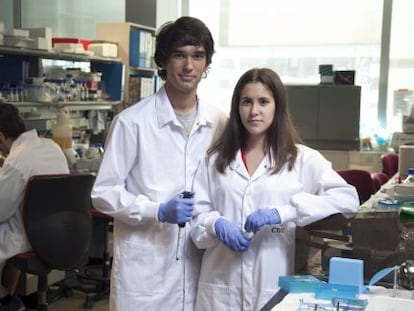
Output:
(257, 183)
(27, 155)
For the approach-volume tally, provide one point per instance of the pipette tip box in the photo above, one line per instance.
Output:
(298, 283)
(346, 279)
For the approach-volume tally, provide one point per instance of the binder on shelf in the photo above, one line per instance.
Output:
(140, 49)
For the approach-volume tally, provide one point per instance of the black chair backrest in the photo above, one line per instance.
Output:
(57, 218)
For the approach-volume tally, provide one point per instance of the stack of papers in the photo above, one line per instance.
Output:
(404, 191)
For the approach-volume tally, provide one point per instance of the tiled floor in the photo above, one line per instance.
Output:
(76, 303)
(66, 295)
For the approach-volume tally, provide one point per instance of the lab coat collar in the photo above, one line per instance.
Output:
(30, 135)
(204, 116)
(164, 109)
(166, 114)
(238, 166)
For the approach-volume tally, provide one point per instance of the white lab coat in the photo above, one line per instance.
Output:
(246, 281)
(29, 155)
(149, 159)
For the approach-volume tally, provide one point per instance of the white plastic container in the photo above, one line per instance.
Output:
(105, 49)
(410, 176)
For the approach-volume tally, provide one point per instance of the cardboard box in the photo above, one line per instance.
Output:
(15, 32)
(42, 32)
(105, 49)
(20, 42)
(41, 44)
(69, 48)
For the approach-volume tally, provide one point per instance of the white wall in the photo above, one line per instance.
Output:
(168, 10)
(75, 18)
(6, 13)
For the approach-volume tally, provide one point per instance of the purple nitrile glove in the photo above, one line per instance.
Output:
(261, 217)
(231, 235)
(177, 210)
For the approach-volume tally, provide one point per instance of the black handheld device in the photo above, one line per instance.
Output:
(185, 195)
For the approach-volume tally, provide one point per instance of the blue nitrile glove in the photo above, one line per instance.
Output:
(177, 210)
(231, 235)
(261, 217)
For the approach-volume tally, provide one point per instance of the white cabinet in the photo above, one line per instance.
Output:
(326, 116)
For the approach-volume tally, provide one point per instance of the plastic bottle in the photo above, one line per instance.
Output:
(410, 176)
(85, 91)
(62, 135)
(62, 130)
(68, 81)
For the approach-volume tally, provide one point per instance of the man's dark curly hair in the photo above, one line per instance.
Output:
(11, 124)
(184, 31)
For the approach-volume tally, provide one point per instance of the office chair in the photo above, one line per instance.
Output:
(379, 178)
(390, 164)
(57, 219)
(361, 180)
(97, 275)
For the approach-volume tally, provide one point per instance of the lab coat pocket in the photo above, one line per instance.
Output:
(135, 269)
(213, 297)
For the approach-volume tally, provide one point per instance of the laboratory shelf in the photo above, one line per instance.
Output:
(142, 72)
(71, 105)
(9, 50)
(18, 64)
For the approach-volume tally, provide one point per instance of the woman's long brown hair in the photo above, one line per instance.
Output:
(281, 136)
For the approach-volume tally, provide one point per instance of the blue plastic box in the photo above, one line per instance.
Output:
(298, 283)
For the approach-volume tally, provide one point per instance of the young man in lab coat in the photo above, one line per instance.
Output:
(27, 155)
(153, 151)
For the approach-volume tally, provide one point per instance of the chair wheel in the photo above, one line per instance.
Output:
(42, 307)
(88, 305)
(89, 301)
(67, 292)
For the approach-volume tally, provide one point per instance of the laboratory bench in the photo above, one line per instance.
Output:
(378, 299)
(381, 237)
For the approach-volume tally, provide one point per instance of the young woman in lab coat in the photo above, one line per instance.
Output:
(151, 156)
(256, 185)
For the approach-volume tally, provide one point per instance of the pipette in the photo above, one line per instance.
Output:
(184, 195)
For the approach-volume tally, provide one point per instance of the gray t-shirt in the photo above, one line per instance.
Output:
(187, 118)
